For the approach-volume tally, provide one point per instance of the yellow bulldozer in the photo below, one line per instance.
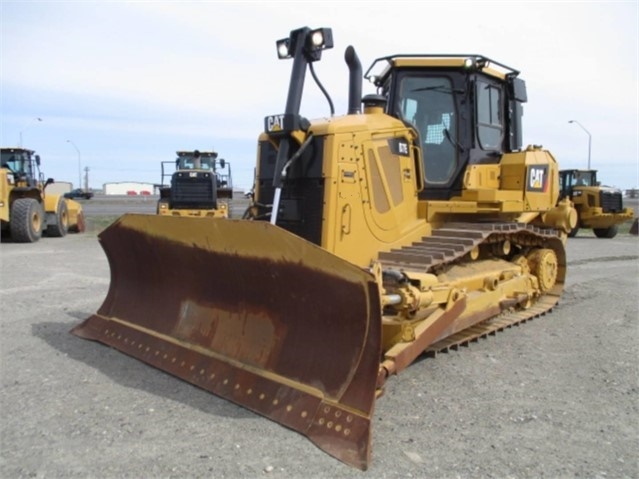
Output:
(415, 222)
(27, 211)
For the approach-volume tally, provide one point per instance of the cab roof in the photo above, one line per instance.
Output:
(203, 154)
(16, 150)
(379, 70)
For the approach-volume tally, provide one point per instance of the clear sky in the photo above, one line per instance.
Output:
(130, 83)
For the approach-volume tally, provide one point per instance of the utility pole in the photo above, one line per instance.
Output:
(86, 178)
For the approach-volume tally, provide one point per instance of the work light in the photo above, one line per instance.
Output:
(312, 43)
(283, 48)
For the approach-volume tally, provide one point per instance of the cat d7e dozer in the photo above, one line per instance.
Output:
(413, 225)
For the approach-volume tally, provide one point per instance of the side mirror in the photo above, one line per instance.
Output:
(222, 163)
(37, 158)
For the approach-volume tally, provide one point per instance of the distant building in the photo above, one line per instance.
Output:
(59, 187)
(129, 188)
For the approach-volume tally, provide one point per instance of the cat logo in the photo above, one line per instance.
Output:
(274, 123)
(537, 178)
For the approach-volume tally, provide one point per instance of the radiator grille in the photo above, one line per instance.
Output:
(611, 202)
(193, 190)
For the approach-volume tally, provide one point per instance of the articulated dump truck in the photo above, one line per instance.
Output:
(414, 222)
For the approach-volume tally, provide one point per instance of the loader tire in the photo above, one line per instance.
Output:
(59, 224)
(573, 232)
(27, 220)
(610, 232)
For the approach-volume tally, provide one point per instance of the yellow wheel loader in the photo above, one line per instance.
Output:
(201, 186)
(26, 210)
(413, 223)
(599, 208)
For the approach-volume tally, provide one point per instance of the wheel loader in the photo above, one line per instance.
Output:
(599, 208)
(197, 184)
(412, 223)
(26, 209)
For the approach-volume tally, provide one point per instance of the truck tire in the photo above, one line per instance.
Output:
(610, 232)
(58, 221)
(27, 220)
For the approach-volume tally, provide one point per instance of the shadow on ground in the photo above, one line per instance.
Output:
(130, 372)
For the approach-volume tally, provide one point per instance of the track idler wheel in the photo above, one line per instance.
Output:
(544, 265)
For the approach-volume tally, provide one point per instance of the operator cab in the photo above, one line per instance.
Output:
(466, 109)
(22, 163)
(569, 179)
(187, 160)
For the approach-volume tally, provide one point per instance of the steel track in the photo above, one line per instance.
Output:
(452, 244)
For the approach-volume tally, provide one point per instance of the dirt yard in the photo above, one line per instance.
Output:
(556, 397)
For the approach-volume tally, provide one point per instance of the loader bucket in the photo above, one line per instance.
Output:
(251, 313)
(76, 216)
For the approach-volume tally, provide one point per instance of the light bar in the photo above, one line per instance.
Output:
(311, 41)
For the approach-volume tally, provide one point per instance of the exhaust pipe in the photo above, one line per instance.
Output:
(354, 81)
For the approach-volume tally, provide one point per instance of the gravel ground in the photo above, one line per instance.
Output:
(555, 397)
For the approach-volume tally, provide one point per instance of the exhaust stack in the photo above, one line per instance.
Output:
(354, 81)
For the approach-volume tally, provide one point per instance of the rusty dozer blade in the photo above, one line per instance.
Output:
(251, 313)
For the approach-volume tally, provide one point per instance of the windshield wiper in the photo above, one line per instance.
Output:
(452, 141)
(439, 88)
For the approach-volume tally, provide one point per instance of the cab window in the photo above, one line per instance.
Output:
(428, 103)
(490, 129)
(583, 179)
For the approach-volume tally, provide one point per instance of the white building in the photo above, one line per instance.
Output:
(59, 187)
(129, 188)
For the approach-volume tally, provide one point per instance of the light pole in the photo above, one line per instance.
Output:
(589, 138)
(79, 164)
(24, 128)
